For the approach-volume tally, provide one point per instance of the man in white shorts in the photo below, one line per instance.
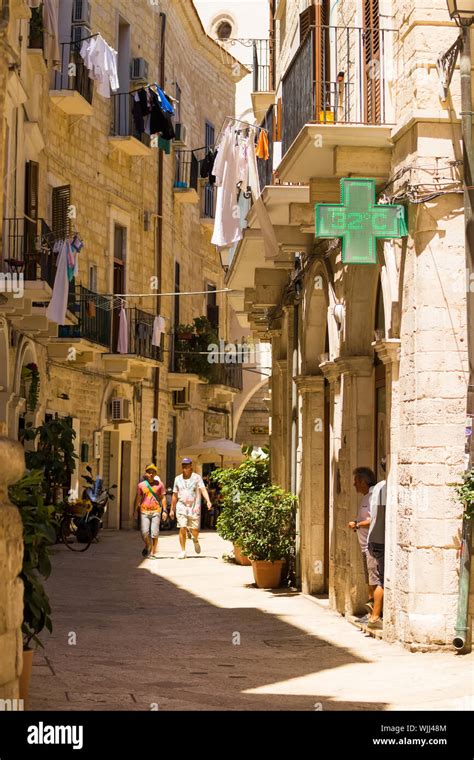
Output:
(187, 491)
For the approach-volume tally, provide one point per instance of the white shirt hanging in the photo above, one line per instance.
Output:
(158, 330)
(101, 60)
(229, 169)
(122, 344)
(56, 311)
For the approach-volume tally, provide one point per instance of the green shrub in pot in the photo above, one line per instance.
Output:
(267, 524)
(237, 485)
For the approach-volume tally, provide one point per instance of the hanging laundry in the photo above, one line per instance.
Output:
(158, 330)
(263, 150)
(165, 145)
(230, 168)
(101, 61)
(163, 101)
(56, 311)
(207, 166)
(122, 343)
(149, 116)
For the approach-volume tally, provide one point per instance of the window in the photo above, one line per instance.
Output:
(224, 30)
(61, 224)
(119, 243)
(209, 195)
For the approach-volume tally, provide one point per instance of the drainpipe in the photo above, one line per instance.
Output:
(462, 635)
(159, 239)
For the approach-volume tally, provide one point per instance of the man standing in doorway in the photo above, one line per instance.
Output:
(187, 491)
(151, 499)
(376, 549)
(364, 481)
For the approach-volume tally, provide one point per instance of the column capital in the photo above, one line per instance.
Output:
(388, 350)
(281, 364)
(330, 371)
(276, 333)
(309, 383)
(360, 366)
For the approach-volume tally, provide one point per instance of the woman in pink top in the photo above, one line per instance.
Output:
(151, 499)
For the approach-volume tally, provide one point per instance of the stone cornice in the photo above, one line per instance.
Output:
(309, 383)
(388, 350)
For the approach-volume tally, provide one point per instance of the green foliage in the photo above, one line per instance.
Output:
(465, 493)
(54, 454)
(237, 484)
(31, 374)
(38, 534)
(192, 353)
(268, 525)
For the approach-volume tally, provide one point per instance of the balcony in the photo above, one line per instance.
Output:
(96, 332)
(263, 93)
(208, 203)
(189, 358)
(334, 94)
(28, 269)
(124, 135)
(72, 89)
(186, 182)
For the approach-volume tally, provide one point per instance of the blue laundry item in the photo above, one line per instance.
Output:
(164, 102)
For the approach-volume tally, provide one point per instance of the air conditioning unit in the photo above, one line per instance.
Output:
(80, 32)
(139, 70)
(81, 12)
(119, 410)
(180, 132)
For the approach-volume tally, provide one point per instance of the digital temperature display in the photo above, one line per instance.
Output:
(359, 221)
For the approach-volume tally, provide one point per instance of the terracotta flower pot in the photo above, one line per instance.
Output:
(25, 677)
(267, 574)
(240, 558)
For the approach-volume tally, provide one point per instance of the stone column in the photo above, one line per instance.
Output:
(279, 425)
(12, 466)
(388, 351)
(311, 494)
(332, 373)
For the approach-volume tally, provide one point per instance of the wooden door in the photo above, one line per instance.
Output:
(119, 278)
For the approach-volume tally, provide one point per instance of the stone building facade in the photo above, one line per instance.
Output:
(73, 162)
(369, 361)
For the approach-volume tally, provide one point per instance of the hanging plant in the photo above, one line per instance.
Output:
(30, 373)
(465, 493)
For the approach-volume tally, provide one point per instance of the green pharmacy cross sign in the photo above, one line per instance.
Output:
(359, 221)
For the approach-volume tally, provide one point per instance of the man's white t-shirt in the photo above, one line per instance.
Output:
(362, 515)
(189, 494)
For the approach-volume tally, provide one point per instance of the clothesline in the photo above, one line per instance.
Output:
(182, 293)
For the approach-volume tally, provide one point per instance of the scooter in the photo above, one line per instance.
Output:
(82, 521)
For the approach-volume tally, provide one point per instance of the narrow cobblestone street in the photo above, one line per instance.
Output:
(158, 634)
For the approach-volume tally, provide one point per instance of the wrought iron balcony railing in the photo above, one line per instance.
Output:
(187, 170)
(73, 74)
(188, 357)
(337, 76)
(94, 317)
(27, 249)
(98, 322)
(122, 121)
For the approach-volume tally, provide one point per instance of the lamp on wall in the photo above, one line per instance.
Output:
(461, 11)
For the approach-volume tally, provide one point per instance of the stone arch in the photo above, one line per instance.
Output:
(244, 400)
(26, 355)
(318, 324)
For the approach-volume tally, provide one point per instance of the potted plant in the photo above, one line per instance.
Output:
(36, 36)
(38, 533)
(237, 485)
(268, 533)
(54, 455)
(184, 332)
(31, 375)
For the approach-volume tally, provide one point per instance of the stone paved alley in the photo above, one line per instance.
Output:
(160, 632)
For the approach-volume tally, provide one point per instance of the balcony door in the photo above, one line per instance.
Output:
(119, 276)
(373, 81)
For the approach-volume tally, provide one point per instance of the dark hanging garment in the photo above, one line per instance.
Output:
(207, 165)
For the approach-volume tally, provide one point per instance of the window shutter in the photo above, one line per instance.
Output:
(307, 20)
(372, 61)
(322, 59)
(61, 224)
(31, 189)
